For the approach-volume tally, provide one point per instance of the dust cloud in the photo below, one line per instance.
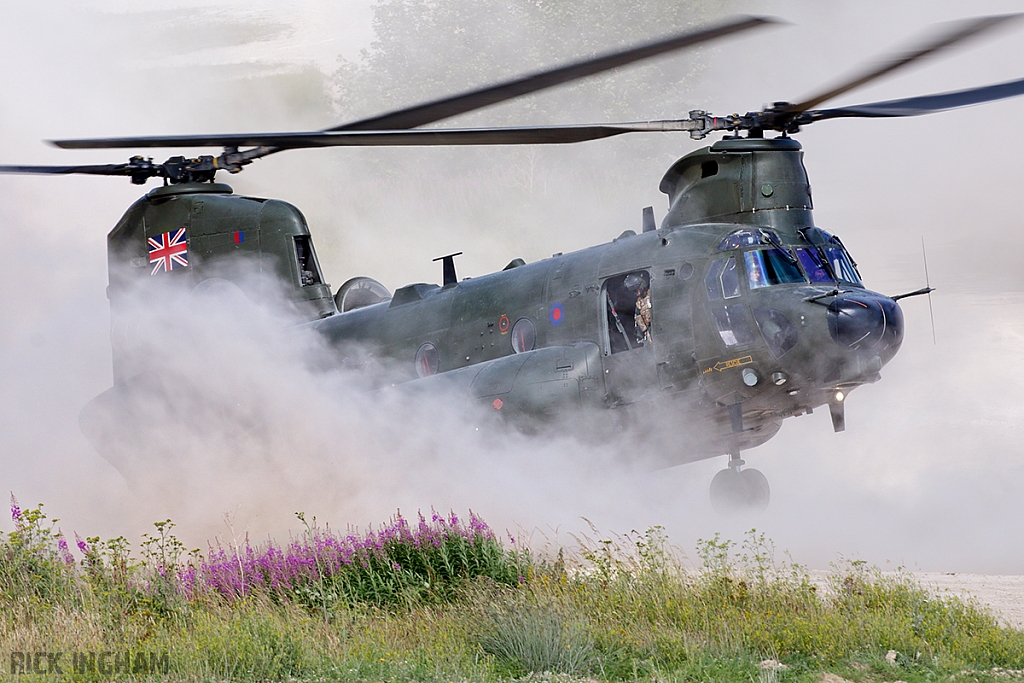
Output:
(927, 474)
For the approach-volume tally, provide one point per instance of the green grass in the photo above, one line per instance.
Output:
(616, 610)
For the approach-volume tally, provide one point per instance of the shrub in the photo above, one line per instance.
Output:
(535, 636)
(398, 565)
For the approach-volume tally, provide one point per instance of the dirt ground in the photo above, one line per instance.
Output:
(1003, 595)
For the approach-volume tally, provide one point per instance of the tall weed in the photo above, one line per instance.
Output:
(36, 568)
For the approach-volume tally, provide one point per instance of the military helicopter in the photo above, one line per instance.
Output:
(734, 314)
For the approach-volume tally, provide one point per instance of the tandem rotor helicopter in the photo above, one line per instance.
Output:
(734, 314)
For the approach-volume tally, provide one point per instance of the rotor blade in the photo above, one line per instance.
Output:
(956, 32)
(925, 104)
(429, 112)
(444, 108)
(531, 135)
(92, 169)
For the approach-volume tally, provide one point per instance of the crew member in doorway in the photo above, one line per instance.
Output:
(642, 316)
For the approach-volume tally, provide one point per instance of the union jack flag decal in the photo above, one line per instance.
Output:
(168, 251)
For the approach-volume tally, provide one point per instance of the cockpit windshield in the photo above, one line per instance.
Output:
(774, 266)
(814, 263)
(747, 237)
(823, 260)
(842, 265)
(827, 260)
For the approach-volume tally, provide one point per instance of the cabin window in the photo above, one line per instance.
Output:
(309, 269)
(524, 336)
(427, 360)
(767, 267)
(627, 306)
(732, 324)
(722, 280)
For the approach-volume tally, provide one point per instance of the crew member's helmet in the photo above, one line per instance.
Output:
(635, 283)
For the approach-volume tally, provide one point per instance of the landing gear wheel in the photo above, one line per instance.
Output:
(734, 490)
(758, 491)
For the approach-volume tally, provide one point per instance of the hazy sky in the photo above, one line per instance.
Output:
(927, 474)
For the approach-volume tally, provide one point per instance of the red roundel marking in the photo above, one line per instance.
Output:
(503, 324)
(555, 313)
(497, 403)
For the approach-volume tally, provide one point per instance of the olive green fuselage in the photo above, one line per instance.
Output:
(559, 337)
(686, 369)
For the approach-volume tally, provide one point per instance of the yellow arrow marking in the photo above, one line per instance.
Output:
(734, 363)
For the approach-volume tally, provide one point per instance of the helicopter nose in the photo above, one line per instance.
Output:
(865, 322)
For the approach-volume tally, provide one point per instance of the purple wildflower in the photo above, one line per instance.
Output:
(15, 509)
(62, 545)
(82, 545)
(283, 570)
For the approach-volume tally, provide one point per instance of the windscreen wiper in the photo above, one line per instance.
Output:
(816, 299)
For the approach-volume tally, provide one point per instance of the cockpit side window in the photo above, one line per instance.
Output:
(771, 267)
(730, 279)
(732, 324)
(712, 282)
(723, 280)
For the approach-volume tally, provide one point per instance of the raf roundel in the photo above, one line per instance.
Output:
(556, 314)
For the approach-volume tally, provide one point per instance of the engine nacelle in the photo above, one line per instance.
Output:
(359, 292)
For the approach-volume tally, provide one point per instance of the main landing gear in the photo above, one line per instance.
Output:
(734, 490)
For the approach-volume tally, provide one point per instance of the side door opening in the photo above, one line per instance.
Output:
(627, 311)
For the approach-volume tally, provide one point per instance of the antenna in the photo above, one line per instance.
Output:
(649, 224)
(927, 282)
(448, 265)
